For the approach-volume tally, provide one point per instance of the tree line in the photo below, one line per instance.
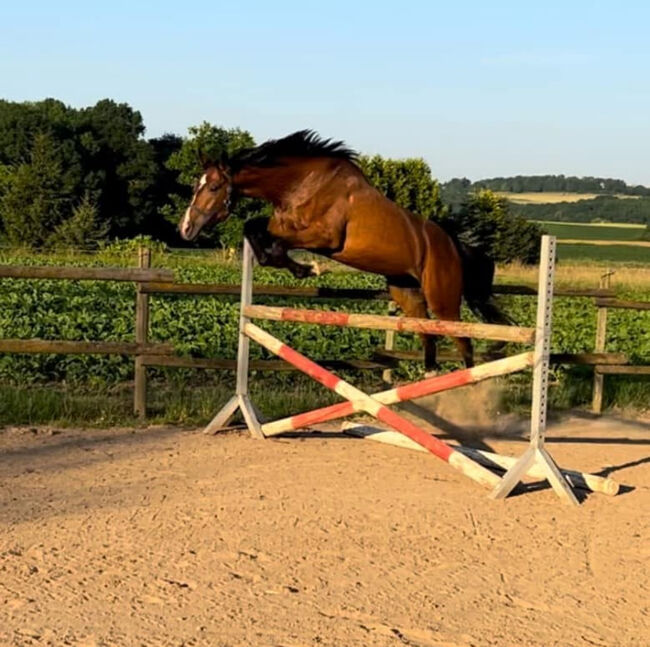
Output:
(605, 207)
(600, 209)
(547, 184)
(80, 176)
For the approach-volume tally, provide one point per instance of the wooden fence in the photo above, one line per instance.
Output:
(161, 282)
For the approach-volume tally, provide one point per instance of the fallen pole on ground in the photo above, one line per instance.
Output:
(581, 480)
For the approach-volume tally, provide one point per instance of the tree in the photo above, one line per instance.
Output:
(81, 229)
(35, 200)
(101, 152)
(165, 185)
(209, 142)
(408, 183)
(119, 170)
(485, 221)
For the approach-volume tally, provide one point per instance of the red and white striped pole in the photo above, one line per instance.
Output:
(399, 324)
(364, 402)
(419, 389)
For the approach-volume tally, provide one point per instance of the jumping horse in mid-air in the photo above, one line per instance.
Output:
(322, 202)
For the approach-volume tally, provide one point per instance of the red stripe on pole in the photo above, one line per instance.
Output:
(406, 427)
(315, 316)
(424, 327)
(318, 373)
(406, 392)
(435, 384)
(323, 414)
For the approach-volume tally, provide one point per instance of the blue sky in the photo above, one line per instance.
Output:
(478, 89)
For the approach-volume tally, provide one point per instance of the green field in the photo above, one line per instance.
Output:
(625, 254)
(96, 389)
(600, 253)
(582, 231)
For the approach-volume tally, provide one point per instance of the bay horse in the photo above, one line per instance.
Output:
(323, 203)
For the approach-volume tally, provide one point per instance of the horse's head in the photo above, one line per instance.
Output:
(210, 202)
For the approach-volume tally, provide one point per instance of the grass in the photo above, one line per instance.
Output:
(191, 403)
(555, 197)
(585, 274)
(604, 254)
(196, 404)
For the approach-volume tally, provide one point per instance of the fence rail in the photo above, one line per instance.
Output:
(161, 281)
(130, 274)
(56, 347)
(621, 304)
(342, 293)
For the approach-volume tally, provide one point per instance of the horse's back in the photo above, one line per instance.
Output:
(380, 236)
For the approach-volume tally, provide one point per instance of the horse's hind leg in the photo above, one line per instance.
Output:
(413, 304)
(272, 251)
(464, 344)
(442, 286)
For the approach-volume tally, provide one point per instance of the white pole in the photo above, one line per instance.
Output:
(241, 399)
(542, 353)
(536, 454)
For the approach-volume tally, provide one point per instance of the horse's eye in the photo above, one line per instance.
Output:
(214, 187)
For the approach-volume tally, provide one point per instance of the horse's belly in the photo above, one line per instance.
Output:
(383, 261)
(379, 250)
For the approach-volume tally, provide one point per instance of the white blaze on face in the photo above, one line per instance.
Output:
(186, 223)
(202, 182)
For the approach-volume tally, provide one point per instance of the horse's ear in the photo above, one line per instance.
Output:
(223, 164)
(203, 159)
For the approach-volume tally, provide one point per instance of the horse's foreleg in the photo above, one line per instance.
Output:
(272, 251)
(413, 304)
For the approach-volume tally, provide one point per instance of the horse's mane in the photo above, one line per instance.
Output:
(304, 143)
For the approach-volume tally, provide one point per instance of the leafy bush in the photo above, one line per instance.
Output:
(484, 221)
(129, 247)
(81, 229)
(408, 183)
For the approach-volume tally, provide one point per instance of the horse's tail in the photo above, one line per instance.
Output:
(478, 281)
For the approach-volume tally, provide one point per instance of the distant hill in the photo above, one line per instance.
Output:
(561, 198)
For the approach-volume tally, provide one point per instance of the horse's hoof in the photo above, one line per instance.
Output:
(316, 269)
(428, 374)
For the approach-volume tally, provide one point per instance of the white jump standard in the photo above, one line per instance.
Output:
(535, 461)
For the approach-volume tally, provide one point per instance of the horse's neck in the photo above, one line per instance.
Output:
(267, 183)
(288, 183)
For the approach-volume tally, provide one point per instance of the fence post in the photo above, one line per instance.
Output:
(389, 344)
(601, 338)
(141, 337)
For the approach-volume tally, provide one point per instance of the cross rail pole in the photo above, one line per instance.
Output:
(371, 406)
(406, 392)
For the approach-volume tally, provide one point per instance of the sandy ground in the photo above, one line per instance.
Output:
(169, 537)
